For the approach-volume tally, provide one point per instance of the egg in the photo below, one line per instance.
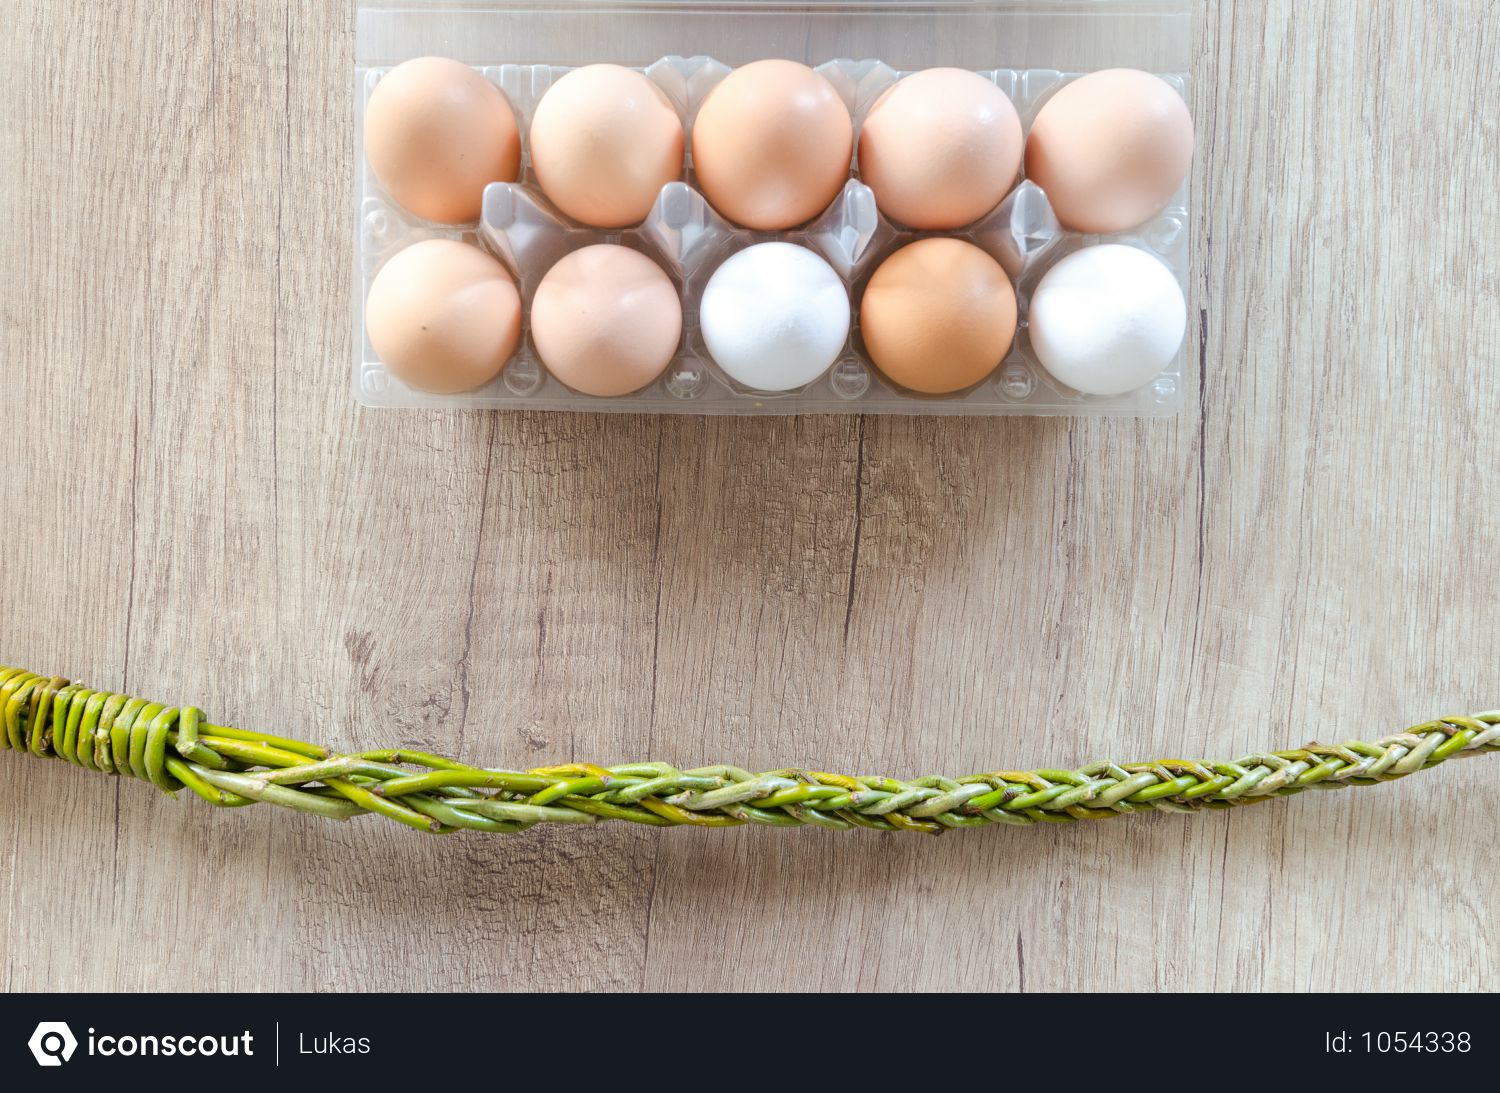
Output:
(772, 145)
(606, 320)
(938, 316)
(1110, 149)
(774, 316)
(443, 316)
(940, 148)
(1108, 319)
(436, 133)
(604, 141)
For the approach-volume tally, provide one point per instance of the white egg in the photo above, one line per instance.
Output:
(775, 316)
(1107, 319)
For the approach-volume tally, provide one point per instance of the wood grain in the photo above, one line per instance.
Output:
(198, 511)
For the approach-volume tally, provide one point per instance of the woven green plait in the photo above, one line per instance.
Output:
(175, 748)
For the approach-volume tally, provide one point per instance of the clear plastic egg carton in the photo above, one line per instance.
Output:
(689, 240)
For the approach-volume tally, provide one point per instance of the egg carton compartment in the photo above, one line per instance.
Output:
(689, 240)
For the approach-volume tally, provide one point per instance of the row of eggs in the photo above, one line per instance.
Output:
(772, 145)
(937, 317)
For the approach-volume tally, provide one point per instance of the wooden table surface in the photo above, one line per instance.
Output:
(198, 512)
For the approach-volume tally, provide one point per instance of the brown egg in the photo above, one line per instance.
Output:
(771, 145)
(1110, 149)
(940, 149)
(606, 320)
(444, 316)
(604, 141)
(436, 133)
(938, 316)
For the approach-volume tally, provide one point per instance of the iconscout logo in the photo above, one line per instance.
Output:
(53, 1043)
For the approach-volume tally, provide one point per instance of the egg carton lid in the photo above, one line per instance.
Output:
(1081, 35)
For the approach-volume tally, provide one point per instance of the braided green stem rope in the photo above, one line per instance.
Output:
(174, 747)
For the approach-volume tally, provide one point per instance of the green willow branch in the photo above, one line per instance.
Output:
(175, 748)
